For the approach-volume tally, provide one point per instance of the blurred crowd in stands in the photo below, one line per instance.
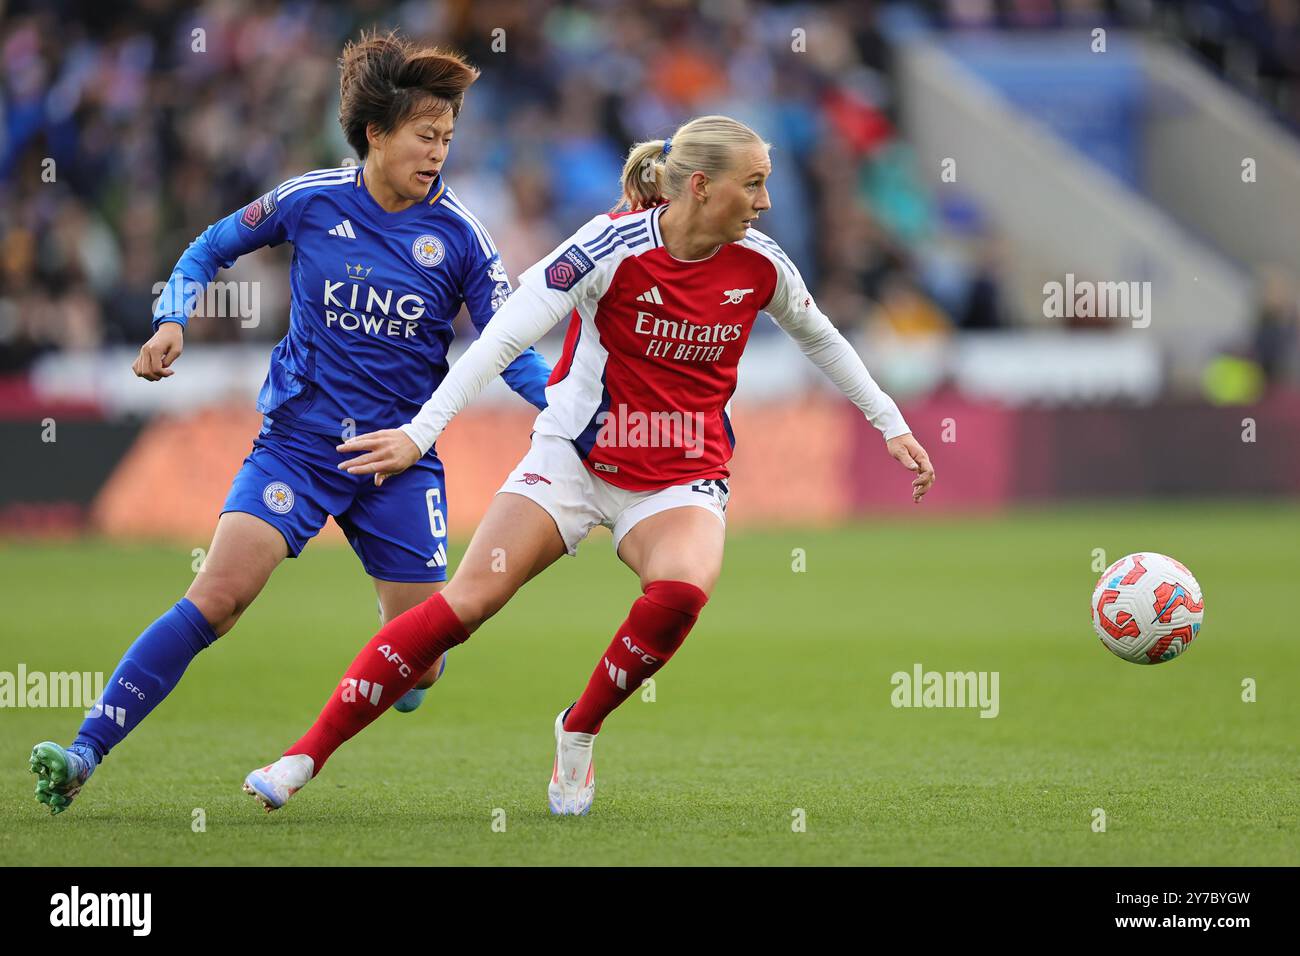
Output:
(126, 129)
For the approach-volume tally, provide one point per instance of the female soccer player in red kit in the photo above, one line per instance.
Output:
(635, 436)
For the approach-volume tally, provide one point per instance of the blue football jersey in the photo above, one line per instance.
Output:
(374, 295)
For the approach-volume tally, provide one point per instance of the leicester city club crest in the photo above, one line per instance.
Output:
(278, 497)
(428, 250)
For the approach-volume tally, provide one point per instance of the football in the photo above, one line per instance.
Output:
(1147, 608)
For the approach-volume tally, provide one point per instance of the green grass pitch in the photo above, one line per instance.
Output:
(778, 703)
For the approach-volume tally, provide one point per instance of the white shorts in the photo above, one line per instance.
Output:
(553, 475)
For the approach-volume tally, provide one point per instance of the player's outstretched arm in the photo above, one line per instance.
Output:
(487, 289)
(262, 222)
(548, 291)
(522, 320)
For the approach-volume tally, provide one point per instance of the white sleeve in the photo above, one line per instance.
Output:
(794, 310)
(576, 270)
(524, 319)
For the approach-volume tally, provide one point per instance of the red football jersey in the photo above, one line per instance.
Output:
(650, 359)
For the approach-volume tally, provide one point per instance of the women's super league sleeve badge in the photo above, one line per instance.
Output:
(570, 266)
(428, 250)
(256, 212)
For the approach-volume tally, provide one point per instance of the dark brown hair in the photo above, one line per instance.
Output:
(386, 79)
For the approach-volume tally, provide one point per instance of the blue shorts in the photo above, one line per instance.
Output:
(291, 480)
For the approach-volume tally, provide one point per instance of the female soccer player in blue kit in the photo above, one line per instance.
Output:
(384, 256)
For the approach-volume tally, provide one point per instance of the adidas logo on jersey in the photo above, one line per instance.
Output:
(439, 559)
(115, 714)
(367, 691)
(651, 296)
(344, 229)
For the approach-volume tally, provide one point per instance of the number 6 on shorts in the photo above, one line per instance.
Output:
(437, 523)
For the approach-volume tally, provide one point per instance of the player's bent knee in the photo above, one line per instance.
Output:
(699, 578)
(684, 597)
(665, 615)
(475, 601)
(219, 605)
(220, 614)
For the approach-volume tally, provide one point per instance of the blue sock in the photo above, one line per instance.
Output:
(87, 753)
(148, 671)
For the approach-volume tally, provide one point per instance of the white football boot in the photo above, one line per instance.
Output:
(272, 786)
(573, 778)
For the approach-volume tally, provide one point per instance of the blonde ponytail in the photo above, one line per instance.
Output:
(643, 176)
(706, 144)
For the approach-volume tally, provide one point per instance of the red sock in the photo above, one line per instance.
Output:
(403, 650)
(655, 627)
